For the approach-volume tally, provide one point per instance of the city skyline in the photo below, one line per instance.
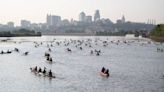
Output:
(136, 10)
(83, 17)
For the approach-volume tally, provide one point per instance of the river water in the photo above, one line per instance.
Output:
(134, 67)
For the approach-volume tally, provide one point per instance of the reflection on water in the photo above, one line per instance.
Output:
(135, 66)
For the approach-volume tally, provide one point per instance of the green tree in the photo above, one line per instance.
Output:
(158, 31)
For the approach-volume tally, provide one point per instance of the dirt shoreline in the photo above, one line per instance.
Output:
(158, 39)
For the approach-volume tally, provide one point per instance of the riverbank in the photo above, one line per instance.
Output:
(158, 39)
(67, 34)
(158, 33)
(19, 33)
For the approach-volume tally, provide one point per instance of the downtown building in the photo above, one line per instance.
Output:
(96, 16)
(53, 20)
(84, 18)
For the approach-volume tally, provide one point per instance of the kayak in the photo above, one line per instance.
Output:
(103, 74)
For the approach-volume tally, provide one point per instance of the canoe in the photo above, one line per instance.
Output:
(41, 74)
(103, 74)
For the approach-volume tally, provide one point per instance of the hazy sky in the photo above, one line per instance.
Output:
(36, 10)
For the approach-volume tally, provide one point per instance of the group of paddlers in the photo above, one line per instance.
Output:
(48, 57)
(160, 50)
(43, 71)
(105, 72)
(8, 52)
(96, 51)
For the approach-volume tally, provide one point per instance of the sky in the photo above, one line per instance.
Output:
(36, 10)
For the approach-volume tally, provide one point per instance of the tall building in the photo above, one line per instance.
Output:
(25, 24)
(97, 15)
(10, 24)
(48, 19)
(123, 19)
(53, 20)
(82, 17)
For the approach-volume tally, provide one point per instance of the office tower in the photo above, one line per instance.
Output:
(48, 19)
(82, 17)
(97, 15)
(10, 24)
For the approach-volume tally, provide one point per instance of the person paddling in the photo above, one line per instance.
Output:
(50, 74)
(44, 71)
(107, 72)
(91, 52)
(35, 69)
(103, 70)
(2, 52)
(40, 70)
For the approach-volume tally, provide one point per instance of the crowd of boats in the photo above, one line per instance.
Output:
(79, 44)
